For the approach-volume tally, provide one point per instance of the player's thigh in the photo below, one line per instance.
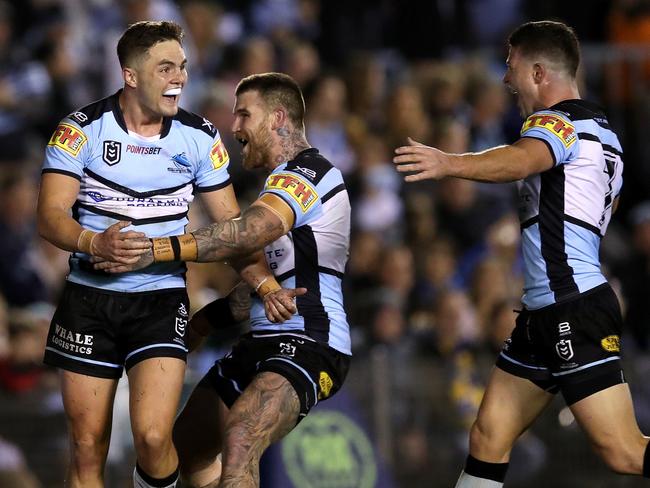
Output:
(198, 430)
(88, 404)
(607, 417)
(155, 386)
(266, 411)
(510, 404)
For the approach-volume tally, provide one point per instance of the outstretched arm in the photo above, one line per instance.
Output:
(499, 164)
(267, 219)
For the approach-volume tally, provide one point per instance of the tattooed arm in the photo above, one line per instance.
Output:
(267, 219)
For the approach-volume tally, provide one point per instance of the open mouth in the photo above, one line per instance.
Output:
(172, 94)
(242, 141)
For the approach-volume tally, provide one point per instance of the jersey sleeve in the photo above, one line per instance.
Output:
(67, 150)
(212, 172)
(297, 192)
(556, 130)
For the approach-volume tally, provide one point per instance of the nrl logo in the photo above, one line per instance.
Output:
(112, 152)
(564, 349)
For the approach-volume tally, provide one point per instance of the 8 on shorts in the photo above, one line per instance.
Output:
(573, 346)
(99, 332)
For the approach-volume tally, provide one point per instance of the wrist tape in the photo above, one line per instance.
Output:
(175, 248)
(85, 241)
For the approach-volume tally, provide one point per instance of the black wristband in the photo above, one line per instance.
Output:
(218, 314)
(176, 247)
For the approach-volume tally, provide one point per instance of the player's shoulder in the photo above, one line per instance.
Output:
(311, 164)
(85, 116)
(579, 109)
(194, 121)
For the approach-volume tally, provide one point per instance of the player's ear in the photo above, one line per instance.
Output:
(280, 119)
(130, 78)
(539, 72)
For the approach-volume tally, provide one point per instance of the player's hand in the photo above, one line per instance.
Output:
(120, 247)
(280, 305)
(425, 162)
(114, 267)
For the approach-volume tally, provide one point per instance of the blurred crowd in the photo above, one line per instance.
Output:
(435, 270)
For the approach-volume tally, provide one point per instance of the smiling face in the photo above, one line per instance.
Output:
(158, 78)
(252, 128)
(520, 79)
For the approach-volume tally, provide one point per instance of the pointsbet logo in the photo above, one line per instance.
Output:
(556, 125)
(293, 185)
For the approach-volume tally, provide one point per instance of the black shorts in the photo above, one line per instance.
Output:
(572, 347)
(315, 371)
(99, 332)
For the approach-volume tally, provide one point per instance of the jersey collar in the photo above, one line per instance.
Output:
(119, 117)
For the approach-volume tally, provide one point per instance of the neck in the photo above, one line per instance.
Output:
(288, 146)
(556, 94)
(137, 118)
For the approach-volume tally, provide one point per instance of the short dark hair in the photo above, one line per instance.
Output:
(277, 89)
(141, 36)
(553, 40)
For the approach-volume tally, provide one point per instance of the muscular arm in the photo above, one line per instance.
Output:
(55, 224)
(500, 164)
(222, 206)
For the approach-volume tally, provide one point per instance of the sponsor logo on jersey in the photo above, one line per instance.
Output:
(218, 154)
(69, 138)
(556, 125)
(309, 173)
(297, 188)
(181, 164)
(112, 152)
(142, 150)
(79, 117)
(325, 385)
(611, 343)
(98, 197)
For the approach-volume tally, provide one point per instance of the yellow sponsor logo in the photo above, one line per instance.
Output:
(556, 125)
(611, 343)
(325, 383)
(69, 138)
(218, 154)
(301, 191)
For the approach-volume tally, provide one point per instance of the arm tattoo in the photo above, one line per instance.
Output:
(237, 237)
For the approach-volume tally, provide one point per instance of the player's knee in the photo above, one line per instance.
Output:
(623, 458)
(243, 443)
(485, 441)
(88, 450)
(152, 441)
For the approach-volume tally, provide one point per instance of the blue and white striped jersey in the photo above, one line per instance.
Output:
(565, 211)
(147, 181)
(314, 252)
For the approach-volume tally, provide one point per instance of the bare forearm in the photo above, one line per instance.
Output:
(252, 268)
(496, 165)
(236, 237)
(59, 228)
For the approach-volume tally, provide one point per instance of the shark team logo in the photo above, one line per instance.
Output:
(564, 349)
(112, 152)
